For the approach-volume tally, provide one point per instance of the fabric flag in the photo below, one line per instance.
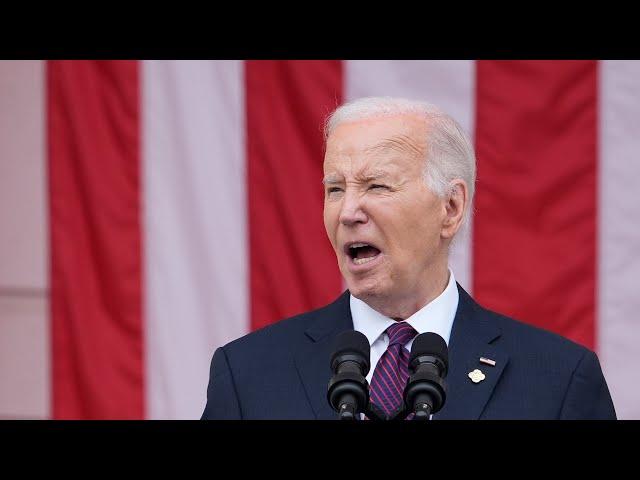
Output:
(185, 204)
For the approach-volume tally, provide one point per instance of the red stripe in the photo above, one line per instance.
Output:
(292, 265)
(94, 165)
(396, 375)
(535, 224)
(384, 374)
(375, 397)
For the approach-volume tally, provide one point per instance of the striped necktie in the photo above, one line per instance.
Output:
(391, 373)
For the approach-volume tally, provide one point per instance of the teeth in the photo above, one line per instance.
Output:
(360, 261)
(357, 245)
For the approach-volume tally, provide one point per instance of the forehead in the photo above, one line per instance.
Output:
(377, 142)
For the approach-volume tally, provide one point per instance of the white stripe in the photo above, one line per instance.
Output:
(447, 84)
(619, 234)
(25, 362)
(195, 248)
(24, 216)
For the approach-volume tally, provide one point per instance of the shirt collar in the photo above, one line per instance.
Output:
(436, 316)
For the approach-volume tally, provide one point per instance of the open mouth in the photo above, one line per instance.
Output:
(361, 253)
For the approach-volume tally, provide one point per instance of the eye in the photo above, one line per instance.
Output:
(331, 190)
(377, 186)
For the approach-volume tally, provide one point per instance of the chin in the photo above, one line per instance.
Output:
(365, 288)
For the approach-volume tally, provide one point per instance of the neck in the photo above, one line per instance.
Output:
(402, 307)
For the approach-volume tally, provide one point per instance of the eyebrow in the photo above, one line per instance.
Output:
(366, 176)
(371, 174)
(332, 178)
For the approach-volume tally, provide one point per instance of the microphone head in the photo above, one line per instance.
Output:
(351, 345)
(430, 344)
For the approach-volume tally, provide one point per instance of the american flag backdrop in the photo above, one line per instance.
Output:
(182, 208)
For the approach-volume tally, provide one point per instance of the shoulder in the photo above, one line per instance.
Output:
(285, 334)
(562, 378)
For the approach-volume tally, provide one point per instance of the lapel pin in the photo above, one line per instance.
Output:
(488, 361)
(476, 376)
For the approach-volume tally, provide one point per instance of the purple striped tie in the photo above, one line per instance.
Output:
(391, 373)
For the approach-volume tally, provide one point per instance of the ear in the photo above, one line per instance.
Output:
(455, 203)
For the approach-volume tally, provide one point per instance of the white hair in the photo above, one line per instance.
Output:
(449, 153)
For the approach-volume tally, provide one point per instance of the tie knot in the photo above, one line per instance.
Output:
(400, 333)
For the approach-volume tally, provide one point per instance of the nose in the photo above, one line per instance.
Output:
(351, 211)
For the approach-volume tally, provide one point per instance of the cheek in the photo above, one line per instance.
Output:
(330, 223)
(410, 228)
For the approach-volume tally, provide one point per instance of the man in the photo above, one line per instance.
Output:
(399, 179)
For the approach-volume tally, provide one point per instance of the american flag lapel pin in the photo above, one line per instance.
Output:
(488, 361)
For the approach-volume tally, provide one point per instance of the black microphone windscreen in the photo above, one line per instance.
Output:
(351, 342)
(431, 344)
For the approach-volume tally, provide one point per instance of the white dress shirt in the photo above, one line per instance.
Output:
(436, 316)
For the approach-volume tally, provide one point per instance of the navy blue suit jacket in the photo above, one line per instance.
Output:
(282, 371)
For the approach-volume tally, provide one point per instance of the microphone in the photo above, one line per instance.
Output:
(425, 392)
(348, 390)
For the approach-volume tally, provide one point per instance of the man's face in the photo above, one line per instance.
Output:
(383, 222)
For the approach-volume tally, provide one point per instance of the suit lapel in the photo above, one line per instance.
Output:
(471, 338)
(312, 359)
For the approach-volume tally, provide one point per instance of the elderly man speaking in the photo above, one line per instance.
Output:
(399, 178)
